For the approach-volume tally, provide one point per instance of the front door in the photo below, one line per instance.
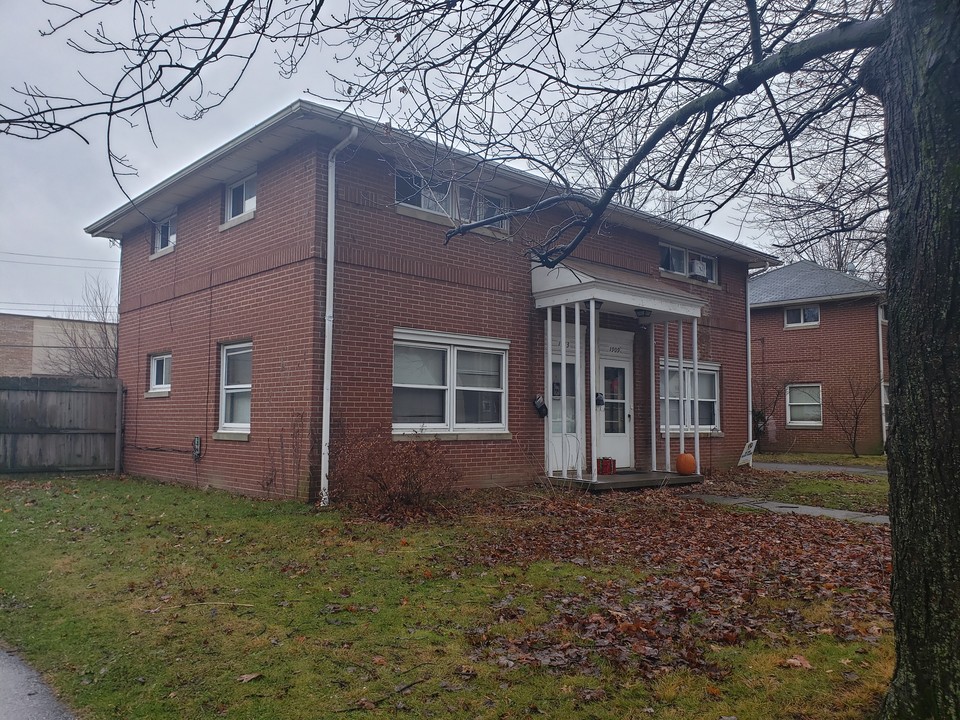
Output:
(616, 426)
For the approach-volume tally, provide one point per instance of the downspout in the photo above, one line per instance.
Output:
(328, 313)
(746, 297)
(883, 414)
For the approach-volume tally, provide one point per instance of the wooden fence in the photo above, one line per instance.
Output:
(57, 423)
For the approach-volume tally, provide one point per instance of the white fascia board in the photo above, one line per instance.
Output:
(596, 290)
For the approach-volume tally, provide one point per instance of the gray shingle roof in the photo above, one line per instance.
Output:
(805, 280)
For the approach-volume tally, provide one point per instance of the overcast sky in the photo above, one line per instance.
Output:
(51, 189)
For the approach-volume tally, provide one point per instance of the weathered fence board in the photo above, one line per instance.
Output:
(54, 423)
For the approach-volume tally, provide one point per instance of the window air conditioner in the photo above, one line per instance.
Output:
(698, 269)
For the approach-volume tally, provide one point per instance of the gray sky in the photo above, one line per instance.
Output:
(51, 189)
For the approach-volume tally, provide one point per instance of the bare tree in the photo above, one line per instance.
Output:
(719, 97)
(87, 340)
(847, 409)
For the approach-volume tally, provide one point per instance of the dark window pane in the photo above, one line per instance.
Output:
(419, 406)
(475, 406)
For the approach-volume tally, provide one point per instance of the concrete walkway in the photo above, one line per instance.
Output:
(804, 467)
(23, 693)
(791, 509)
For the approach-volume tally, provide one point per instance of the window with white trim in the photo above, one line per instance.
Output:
(804, 406)
(708, 401)
(241, 197)
(884, 312)
(806, 316)
(457, 201)
(165, 234)
(236, 384)
(688, 263)
(160, 367)
(446, 383)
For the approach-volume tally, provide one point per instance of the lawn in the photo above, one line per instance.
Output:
(870, 461)
(840, 490)
(139, 600)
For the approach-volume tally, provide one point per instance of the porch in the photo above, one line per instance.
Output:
(624, 480)
(614, 391)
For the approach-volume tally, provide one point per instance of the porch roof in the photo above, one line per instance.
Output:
(621, 291)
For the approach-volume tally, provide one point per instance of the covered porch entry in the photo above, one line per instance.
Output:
(604, 384)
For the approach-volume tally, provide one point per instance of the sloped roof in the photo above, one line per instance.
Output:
(303, 119)
(805, 280)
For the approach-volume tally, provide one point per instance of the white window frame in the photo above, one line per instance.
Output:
(170, 223)
(447, 199)
(453, 345)
(249, 203)
(703, 368)
(789, 405)
(885, 407)
(884, 313)
(166, 359)
(227, 349)
(688, 256)
(803, 321)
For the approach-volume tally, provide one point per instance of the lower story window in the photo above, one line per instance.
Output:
(885, 389)
(708, 397)
(804, 405)
(236, 383)
(448, 383)
(160, 366)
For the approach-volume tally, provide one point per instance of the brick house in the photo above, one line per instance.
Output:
(819, 356)
(227, 325)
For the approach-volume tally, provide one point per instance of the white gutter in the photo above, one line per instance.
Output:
(328, 313)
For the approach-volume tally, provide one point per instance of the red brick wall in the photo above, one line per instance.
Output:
(264, 281)
(842, 350)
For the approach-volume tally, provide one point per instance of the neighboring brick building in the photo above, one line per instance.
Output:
(224, 327)
(31, 345)
(819, 356)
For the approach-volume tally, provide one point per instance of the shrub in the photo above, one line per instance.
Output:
(389, 480)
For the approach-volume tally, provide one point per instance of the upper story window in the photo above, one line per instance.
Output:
(806, 316)
(448, 383)
(241, 197)
(160, 367)
(456, 201)
(688, 263)
(165, 234)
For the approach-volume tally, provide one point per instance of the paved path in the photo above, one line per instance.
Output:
(804, 467)
(790, 508)
(23, 693)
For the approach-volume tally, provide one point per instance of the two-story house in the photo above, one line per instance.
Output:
(819, 352)
(294, 285)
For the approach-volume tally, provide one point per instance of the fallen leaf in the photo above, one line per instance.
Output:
(798, 661)
(248, 677)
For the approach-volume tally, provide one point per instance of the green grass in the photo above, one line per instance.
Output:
(141, 600)
(869, 495)
(871, 461)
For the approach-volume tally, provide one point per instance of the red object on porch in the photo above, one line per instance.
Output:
(606, 466)
(686, 464)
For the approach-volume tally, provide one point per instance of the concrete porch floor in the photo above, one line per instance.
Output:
(624, 480)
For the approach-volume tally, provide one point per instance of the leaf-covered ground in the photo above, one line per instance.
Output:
(703, 577)
(148, 601)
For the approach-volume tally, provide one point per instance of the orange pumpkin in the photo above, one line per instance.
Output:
(686, 464)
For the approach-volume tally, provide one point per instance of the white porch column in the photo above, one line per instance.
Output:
(565, 464)
(594, 322)
(652, 337)
(682, 420)
(696, 396)
(548, 391)
(666, 393)
(578, 390)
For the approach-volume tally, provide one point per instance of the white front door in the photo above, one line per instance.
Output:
(616, 417)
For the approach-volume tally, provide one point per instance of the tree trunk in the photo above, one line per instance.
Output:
(917, 76)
